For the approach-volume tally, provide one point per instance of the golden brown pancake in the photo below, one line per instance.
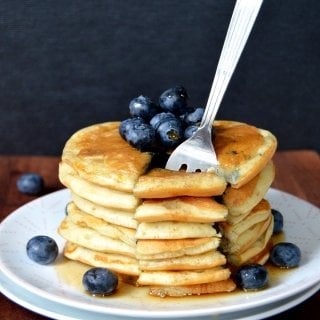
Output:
(161, 249)
(113, 261)
(162, 183)
(95, 193)
(244, 199)
(99, 155)
(205, 260)
(242, 150)
(195, 289)
(182, 278)
(186, 209)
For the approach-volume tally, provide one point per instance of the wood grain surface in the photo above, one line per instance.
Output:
(297, 172)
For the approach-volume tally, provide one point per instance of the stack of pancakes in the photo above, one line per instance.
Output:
(164, 226)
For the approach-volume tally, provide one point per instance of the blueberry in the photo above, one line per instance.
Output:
(170, 133)
(278, 221)
(160, 117)
(143, 107)
(42, 249)
(285, 255)
(189, 131)
(174, 100)
(251, 276)
(30, 183)
(194, 117)
(100, 281)
(138, 133)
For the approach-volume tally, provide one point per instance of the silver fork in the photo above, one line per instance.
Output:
(197, 153)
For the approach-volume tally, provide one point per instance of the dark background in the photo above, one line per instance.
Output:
(68, 64)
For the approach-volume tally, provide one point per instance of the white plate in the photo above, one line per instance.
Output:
(55, 310)
(42, 216)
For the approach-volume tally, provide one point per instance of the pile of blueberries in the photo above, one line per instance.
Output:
(163, 125)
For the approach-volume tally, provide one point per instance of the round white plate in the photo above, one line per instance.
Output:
(42, 216)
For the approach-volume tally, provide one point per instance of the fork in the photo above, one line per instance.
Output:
(197, 153)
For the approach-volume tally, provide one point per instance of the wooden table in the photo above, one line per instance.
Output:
(298, 172)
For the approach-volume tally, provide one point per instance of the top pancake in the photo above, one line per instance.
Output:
(100, 155)
(242, 150)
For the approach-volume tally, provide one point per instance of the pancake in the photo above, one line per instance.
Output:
(162, 249)
(116, 262)
(256, 251)
(185, 209)
(261, 212)
(95, 193)
(182, 278)
(99, 155)
(196, 289)
(205, 260)
(85, 220)
(246, 239)
(92, 239)
(162, 183)
(245, 198)
(111, 215)
(174, 230)
(242, 150)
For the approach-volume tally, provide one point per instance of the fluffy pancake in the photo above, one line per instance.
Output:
(196, 289)
(92, 239)
(185, 209)
(261, 212)
(111, 215)
(85, 220)
(174, 230)
(242, 150)
(98, 154)
(95, 193)
(243, 199)
(116, 262)
(162, 249)
(256, 251)
(205, 260)
(182, 278)
(162, 183)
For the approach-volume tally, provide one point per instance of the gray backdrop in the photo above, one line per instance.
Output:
(69, 64)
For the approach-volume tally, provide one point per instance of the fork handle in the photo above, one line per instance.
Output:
(241, 23)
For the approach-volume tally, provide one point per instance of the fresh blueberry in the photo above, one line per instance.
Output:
(143, 107)
(189, 131)
(42, 249)
(285, 255)
(170, 133)
(194, 117)
(251, 276)
(160, 117)
(174, 100)
(30, 183)
(100, 281)
(138, 133)
(278, 221)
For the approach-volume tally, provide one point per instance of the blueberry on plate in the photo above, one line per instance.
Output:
(143, 107)
(189, 131)
(194, 117)
(160, 117)
(170, 133)
(42, 249)
(30, 183)
(100, 281)
(285, 255)
(278, 221)
(138, 133)
(251, 276)
(174, 100)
